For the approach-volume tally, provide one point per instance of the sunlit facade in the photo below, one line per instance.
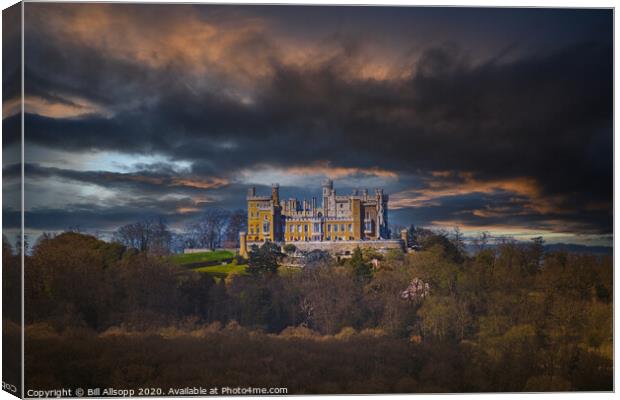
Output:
(357, 216)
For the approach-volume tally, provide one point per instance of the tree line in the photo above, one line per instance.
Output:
(216, 227)
(507, 318)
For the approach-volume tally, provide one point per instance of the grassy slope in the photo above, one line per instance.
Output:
(223, 270)
(220, 271)
(217, 255)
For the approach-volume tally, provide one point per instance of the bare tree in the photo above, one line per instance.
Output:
(161, 238)
(458, 240)
(208, 231)
(237, 221)
(482, 240)
(148, 236)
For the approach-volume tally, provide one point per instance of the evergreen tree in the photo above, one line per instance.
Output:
(264, 259)
(361, 268)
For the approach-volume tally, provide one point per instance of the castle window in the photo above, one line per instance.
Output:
(329, 228)
(335, 227)
(252, 230)
(342, 227)
(292, 228)
(266, 227)
(306, 228)
(299, 228)
(351, 228)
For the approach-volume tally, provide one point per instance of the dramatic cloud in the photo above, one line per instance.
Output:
(518, 120)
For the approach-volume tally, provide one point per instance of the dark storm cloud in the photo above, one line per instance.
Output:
(531, 117)
(504, 212)
(544, 115)
(11, 52)
(157, 180)
(89, 216)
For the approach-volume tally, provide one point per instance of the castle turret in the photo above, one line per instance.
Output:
(243, 247)
(404, 236)
(328, 186)
(275, 193)
(328, 195)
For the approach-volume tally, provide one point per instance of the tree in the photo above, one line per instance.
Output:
(458, 240)
(67, 275)
(208, 231)
(535, 252)
(482, 240)
(18, 244)
(329, 298)
(427, 239)
(237, 222)
(264, 260)
(316, 258)
(417, 236)
(161, 238)
(361, 268)
(289, 248)
(149, 236)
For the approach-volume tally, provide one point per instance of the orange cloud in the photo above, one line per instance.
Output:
(500, 230)
(211, 183)
(195, 206)
(71, 107)
(186, 210)
(549, 228)
(321, 168)
(528, 194)
(451, 184)
(139, 35)
(233, 45)
(11, 107)
(325, 168)
(190, 182)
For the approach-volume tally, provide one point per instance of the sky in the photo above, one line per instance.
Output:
(496, 120)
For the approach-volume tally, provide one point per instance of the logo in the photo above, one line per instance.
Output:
(8, 387)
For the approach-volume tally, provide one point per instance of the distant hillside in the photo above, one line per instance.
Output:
(569, 248)
(579, 248)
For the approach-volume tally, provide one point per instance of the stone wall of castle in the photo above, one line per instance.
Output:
(347, 247)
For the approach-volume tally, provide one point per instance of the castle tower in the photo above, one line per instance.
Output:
(243, 246)
(328, 189)
(382, 228)
(404, 236)
(328, 186)
(275, 193)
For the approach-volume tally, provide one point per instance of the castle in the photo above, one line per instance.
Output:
(341, 222)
